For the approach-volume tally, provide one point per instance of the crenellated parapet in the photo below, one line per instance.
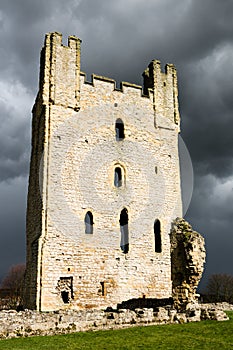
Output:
(165, 91)
(60, 78)
(124, 86)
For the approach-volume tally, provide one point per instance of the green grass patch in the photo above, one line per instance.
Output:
(201, 335)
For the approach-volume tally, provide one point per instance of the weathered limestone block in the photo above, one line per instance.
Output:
(125, 316)
(213, 313)
(187, 262)
(172, 315)
(220, 306)
(162, 315)
(193, 313)
(146, 315)
(181, 318)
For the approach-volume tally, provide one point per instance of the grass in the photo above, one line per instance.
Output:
(201, 335)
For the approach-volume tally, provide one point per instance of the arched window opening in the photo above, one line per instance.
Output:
(124, 231)
(157, 234)
(120, 134)
(88, 223)
(118, 177)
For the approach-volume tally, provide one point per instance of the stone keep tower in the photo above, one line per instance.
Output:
(104, 184)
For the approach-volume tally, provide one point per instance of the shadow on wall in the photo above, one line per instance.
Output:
(141, 303)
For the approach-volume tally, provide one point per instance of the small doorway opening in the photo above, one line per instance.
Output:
(157, 235)
(124, 229)
(65, 297)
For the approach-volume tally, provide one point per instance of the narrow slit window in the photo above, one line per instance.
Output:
(118, 177)
(103, 288)
(120, 133)
(124, 244)
(89, 223)
(157, 234)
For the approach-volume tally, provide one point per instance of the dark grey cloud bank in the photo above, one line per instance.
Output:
(119, 39)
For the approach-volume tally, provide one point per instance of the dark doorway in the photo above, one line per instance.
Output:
(124, 231)
(157, 234)
(65, 297)
(120, 134)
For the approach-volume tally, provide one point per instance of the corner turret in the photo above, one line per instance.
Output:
(165, 93)
(57, 62)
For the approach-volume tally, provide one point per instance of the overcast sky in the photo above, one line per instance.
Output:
(119, 39)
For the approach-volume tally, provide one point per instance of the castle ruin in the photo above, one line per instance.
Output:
(104, 185)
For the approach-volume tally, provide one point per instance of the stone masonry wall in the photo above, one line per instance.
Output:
(75, 169)
(28, 323)
(188, 258)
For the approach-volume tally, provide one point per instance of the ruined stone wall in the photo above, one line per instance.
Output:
(187, 258)
(28, 323)
(80, 155)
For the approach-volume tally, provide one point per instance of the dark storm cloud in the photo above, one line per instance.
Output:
(211, 211)
(14, 130)
(24, 24)
(119, 39)
(12, 219)
(208, 112)
(130, 35)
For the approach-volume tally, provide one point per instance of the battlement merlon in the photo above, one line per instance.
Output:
(60, 71)
(60, 80)
(165, 90)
